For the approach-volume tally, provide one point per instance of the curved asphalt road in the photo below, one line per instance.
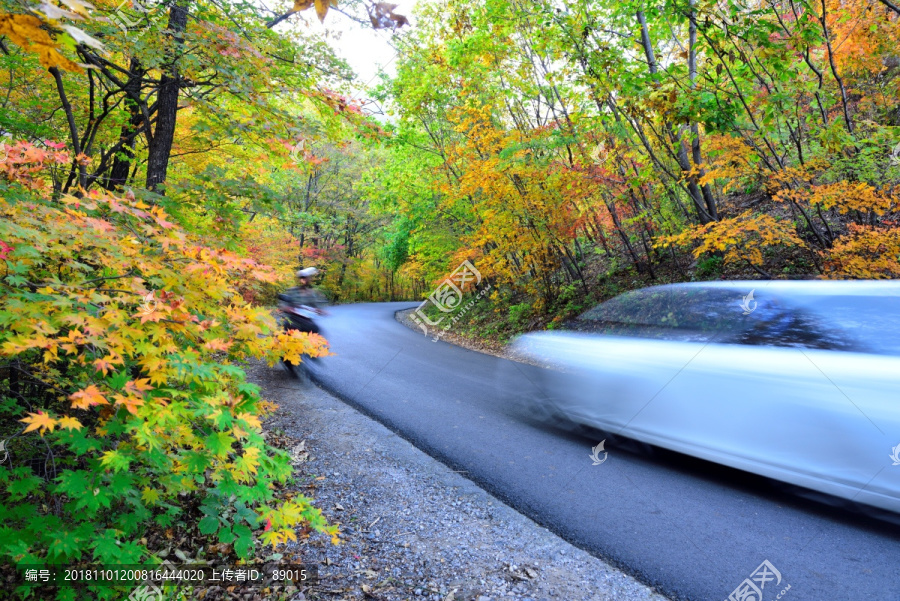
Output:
(691, 529)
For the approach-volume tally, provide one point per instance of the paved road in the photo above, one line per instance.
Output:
(692, 529)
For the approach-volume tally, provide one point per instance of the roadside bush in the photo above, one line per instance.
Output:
(518, 314)
(121, 407)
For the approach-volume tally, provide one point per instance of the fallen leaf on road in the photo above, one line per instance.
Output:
(298, 453)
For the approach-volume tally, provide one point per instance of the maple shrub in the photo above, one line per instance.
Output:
(122, 403)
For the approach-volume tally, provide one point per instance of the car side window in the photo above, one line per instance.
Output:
(689, 313)
(775, 322)
(716, 314)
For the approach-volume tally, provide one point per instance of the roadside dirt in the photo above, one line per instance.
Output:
(411, 527)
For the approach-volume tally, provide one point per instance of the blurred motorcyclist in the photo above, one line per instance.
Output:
(303, 302)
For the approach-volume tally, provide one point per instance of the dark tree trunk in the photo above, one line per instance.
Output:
(118, 175)
(167, 101)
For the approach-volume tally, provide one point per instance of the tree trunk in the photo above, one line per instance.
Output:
(695, 130)
(167, 101)
(677, 140)
(118, 175)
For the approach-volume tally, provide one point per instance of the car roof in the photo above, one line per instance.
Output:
(800, 287)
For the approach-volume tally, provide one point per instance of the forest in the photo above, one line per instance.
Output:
(166, 167)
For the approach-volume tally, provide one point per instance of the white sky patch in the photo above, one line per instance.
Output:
(368, 51)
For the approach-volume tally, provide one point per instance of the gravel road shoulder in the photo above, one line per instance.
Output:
(412, 528)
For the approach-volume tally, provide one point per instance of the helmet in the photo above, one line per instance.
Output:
(307, 273)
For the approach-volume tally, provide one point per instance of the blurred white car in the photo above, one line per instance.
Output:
(793, 380)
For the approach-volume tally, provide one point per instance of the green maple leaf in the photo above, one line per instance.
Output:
(118, 380)
(121, 483)
(227, 486)
(131, 553)
(21, 487)
(14, 548)
(65, 593)
(195, 462)
(223, 421)
(78, 442)
(92, 500)
(65, 544)
(248, 390)
(115, 427)
(219, 443)
(130, 522)
(46, 525)
(106, 548)
(21, 511)
(116, 460)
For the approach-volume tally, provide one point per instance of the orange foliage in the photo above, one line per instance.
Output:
(743, 238)
(867, 252)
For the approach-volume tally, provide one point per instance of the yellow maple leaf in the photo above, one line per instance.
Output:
(250, 419)
(39, 421)
(140, 385)
(321, 9)
(82, 8)
(129, 402)
(88, 397)
(271, 538)
(51, 354)
(27, 31)
(218, 344)
(103, 365)
(149, 496)
(69, 423)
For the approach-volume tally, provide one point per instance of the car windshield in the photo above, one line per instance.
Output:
(774, 318)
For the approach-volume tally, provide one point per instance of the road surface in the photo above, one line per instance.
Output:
(689, 528)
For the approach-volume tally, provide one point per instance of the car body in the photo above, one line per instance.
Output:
(793, 380)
